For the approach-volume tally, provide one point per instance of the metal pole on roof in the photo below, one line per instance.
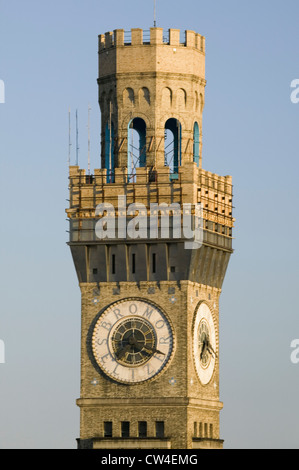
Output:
(89, 108)
(77, 140)
(155, 19)
(110, 142)
(69, 156)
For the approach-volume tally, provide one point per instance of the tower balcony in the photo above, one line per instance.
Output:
(147, 189)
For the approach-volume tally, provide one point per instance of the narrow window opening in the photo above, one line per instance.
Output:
(125, 429)
(136, 147)
(154, 263)
(196, 144)
(133, 263)
(109, 151)
(95, 271)
(142, 429)
(108, 429)
(160, 429)
(113, 264)
(173, 146)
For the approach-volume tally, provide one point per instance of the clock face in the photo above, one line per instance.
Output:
(132, 341)
(204, 343)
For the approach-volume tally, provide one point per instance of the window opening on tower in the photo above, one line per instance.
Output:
(196, 144)
(109, 150)
(173, 146)
(136, 147)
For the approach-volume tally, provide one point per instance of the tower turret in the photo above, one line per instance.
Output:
(152, 82)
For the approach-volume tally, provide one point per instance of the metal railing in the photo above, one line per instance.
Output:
(127, 37)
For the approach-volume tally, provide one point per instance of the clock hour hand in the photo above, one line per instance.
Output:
(123, 351)
(204, 347)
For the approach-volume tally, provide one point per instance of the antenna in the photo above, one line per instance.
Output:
(155, 19)
(89, 108)
(70, 143)
(77, 140)
(110, 142)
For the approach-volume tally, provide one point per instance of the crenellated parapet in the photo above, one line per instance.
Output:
(152, 37)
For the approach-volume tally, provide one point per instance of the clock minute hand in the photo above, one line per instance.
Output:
(148, 348)
(154, 350)
(210, 349)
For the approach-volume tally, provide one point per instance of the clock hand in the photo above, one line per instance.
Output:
(123, 351)
(131, 342)
(149, 348)
(153, 350)
(204, 346)
(210, 349)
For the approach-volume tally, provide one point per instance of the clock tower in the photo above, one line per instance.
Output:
(150, 264)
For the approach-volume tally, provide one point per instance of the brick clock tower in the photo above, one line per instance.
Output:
(150, 302)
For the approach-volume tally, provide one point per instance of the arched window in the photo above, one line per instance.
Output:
(109, 151)
(144, 96)
(128, 97)
(181, 98)
(136, 146)
(196, 144)
(173, 146)
(166, 98)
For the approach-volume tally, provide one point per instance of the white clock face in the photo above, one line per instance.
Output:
(132, 341)
(204, 343)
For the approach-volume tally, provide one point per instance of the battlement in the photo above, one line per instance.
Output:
(151, 37)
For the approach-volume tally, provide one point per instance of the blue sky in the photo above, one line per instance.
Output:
(48, 62)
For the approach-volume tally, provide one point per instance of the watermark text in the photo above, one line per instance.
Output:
(2, 92)
(295, 351)
(2, 352)
(164, 221)
(295, 92)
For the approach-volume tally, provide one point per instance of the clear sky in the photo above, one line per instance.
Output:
(48, 63)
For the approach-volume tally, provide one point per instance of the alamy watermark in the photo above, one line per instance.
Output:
(2, 92)
(164, 221)
(2, 352)
(295, 352)
(2, 345)
(295, 93)
(295, 343)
